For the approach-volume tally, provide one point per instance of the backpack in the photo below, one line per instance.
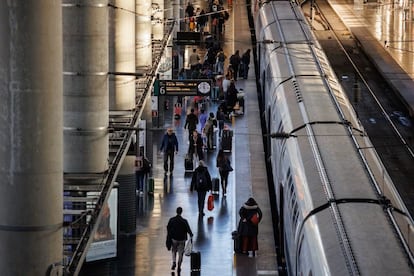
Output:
(201, 180)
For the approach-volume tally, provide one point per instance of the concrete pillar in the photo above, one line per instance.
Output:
(127, 196)
(176, 14)
(168, 10)
(143, 36)
(122, 55)
(183, 5)
(31, 137)
(86, 97)
(158, 19)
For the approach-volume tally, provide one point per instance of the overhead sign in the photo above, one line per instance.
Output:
(185, 87)
(188, 38)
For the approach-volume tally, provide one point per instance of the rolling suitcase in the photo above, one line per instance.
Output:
(237, 243)
(188, 163)
(226, 140)
(216, 185)
(195, 260)
(150, 184)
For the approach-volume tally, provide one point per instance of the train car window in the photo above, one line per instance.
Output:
(293, 204)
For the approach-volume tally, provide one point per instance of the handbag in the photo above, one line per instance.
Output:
(255, 219)
(210, 202)
(188, 247)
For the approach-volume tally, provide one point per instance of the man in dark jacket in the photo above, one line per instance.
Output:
(201, 182)
(191, 123)
(177, 229)
(169, 146)
(196, 145)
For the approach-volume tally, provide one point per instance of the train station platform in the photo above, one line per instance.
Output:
(383, 29)
(144, 252)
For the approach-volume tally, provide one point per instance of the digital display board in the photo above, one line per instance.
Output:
(185, 87)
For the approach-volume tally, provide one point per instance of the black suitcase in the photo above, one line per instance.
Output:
(216, 185)
(226, 140)
(237, 242)
(195, 260)
(188, 163)
(214, 142)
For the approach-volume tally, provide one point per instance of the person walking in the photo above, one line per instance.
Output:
(250, 216)
(231, 97)
(202, 118)
(196, 145)
(245, 62)
(220, 116)
(208, 130)
(234, 63)
(191, 123)
(226, 84)
(177, 230)
(142, 168)
(169, 146)
(201, 182)
(220, 58)
(194, 61)
(224, 166)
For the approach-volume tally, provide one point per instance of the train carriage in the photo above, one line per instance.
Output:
(333, 214)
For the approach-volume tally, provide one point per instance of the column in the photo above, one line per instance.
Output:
(85, 63)
(143, 36)
(122, 55)
(158, 19)
(31, 137)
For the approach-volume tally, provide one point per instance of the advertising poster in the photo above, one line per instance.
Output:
(104, 241)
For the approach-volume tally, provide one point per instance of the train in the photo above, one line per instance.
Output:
(338, 210)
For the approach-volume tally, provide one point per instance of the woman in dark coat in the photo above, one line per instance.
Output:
(223, 165)
(231, 96)
(248, 229)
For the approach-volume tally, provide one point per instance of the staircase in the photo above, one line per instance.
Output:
(86, 193)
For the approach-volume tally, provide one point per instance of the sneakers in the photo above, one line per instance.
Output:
(173, 266)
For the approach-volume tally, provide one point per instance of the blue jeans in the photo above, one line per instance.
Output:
(140, 176)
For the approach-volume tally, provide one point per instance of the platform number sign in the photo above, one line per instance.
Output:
(162, 90)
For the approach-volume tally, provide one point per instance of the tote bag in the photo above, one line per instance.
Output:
(188, 247)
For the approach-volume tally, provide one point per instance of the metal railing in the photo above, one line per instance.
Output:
(87, 213)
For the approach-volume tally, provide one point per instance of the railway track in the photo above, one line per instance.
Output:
(379, 110)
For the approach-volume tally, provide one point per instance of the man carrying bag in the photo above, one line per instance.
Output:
(177, 229)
